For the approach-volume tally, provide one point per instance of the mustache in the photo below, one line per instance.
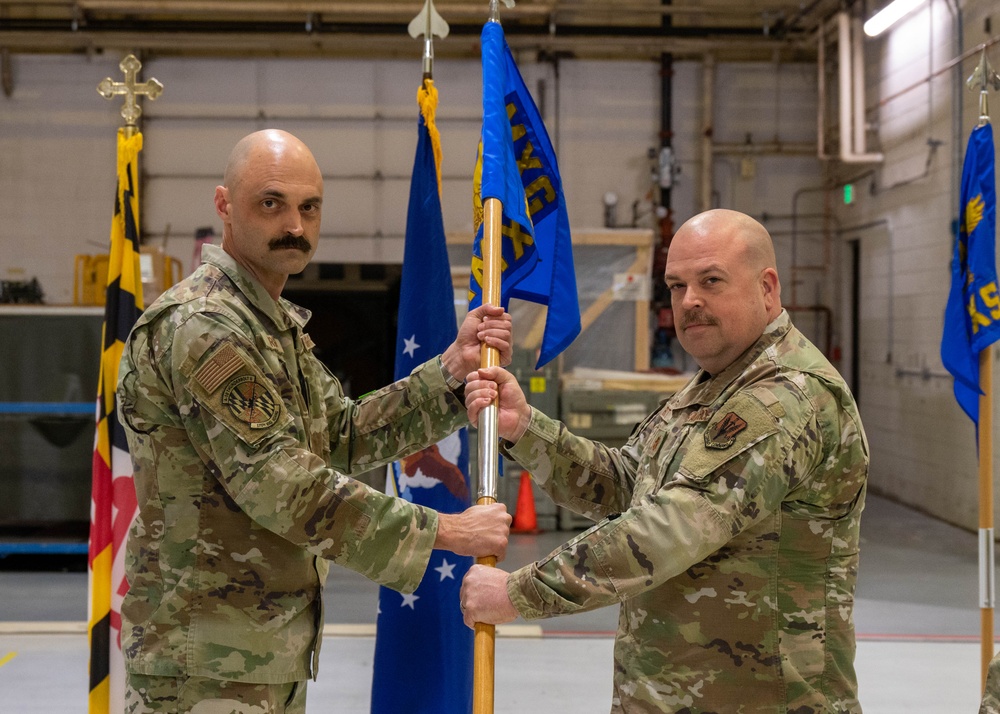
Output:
(697, 318)
(290, 241)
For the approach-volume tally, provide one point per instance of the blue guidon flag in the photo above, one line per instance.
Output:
(423, 650)
(517, 165)
(972, 316)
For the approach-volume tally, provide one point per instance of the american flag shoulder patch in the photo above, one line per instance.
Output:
(222, 364)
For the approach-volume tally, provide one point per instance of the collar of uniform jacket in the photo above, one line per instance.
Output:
(704, 389)
(280, 311)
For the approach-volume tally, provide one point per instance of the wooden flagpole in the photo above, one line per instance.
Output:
(484, 644)
(982, 78)
(986, 569)
(485, 635)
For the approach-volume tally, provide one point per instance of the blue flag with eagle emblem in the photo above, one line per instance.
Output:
(423, 650)
(517, 165)
(972, 316)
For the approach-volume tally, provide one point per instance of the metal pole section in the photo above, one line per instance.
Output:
(484, 645)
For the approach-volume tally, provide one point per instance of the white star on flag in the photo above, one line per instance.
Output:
(445, 569)
(410, 345)
(410, 601)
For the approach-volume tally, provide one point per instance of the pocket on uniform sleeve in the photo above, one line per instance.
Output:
(741, 423)
(126, 391)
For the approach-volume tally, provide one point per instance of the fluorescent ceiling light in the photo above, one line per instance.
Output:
(889, 15)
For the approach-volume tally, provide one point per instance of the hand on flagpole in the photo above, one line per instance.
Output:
(484, 597)
(487, 324)
(479, 531)
(493, 383)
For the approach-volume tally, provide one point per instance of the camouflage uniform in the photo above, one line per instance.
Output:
(242, 443)
(200, 695)
(991, 696)
(729, 535)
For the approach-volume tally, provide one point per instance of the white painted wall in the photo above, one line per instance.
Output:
(57, 169)
(359, 118)
(923, 446)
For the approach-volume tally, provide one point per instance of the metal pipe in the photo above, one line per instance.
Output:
(844, 67)
(851, 93)
(858, 87)
(768, 147)
(708, 109)
(821, 88)
(955, 61)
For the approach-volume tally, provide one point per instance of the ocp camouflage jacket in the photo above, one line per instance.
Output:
(243, 444)
(728, 532)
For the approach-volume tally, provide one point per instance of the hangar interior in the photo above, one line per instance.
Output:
(847, 148)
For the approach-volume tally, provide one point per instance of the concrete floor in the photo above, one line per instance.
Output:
(917, 620)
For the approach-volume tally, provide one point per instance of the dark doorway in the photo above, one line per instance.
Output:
(354, 328)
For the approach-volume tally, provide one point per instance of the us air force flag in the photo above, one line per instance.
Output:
(423, 651)
(972, 316)
(517, 165)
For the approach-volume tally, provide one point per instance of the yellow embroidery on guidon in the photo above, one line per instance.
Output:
(250, 402)
(722, 434)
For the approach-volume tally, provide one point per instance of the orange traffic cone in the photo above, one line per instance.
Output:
(524, 515)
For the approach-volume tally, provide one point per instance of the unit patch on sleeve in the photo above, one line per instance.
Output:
(231, 387)
(722, 434)
(250, 402)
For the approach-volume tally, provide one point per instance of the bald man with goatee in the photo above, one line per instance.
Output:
(243, 446)
(727, 526)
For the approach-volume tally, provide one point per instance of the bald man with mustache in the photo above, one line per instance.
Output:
(727, 526)
(244, 445)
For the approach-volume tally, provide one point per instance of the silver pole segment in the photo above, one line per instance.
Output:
(489, 456)
(987, 572)
(428, 55)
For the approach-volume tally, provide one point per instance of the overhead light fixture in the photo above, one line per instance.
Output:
(890, 15)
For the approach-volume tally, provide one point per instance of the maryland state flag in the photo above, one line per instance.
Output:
(423, 651)
(972, 316)
(517, 165)
(113, 502)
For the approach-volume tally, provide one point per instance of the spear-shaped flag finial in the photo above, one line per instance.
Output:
(428, 23)
(983, 78)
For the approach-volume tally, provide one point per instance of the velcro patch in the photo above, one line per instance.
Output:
(231, 387)
(222, 364)
(741, 424)
(251, 402)
(722, 434)
(271, 342)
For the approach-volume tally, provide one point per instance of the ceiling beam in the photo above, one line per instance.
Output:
(348, 44)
